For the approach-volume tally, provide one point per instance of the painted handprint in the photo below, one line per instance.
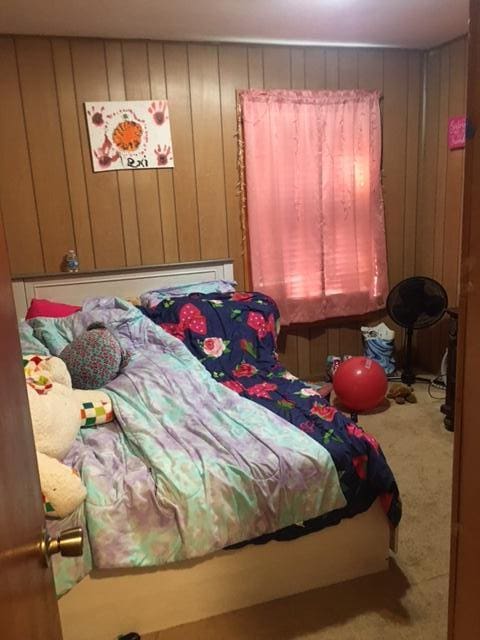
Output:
(157, 109)
(163, 155)
(104, 156)
(96, 116)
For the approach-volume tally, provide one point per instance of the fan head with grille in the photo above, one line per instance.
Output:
(417, 303)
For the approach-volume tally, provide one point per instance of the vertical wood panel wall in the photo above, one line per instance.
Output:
(52, 201)
(440, 203)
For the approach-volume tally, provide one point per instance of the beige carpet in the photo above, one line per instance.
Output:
(407, 603)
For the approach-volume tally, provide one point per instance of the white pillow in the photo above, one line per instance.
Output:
(155, 296)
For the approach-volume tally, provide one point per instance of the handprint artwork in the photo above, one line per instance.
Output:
(157, 110)
(129, 135)
(163, 155)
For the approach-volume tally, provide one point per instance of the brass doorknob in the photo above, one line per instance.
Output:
(68, 544)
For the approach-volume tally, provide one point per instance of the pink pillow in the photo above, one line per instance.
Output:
(47, 309)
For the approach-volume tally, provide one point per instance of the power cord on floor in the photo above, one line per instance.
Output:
(438, 383)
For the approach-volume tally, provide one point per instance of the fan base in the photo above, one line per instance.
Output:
(409, 378)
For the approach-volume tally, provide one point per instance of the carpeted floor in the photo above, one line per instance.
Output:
(409, 602)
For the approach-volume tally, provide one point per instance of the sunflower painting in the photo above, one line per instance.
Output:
(129, 135)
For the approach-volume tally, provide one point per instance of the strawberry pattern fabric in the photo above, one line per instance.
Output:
(234, 337)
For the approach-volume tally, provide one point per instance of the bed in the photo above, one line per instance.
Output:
(121, 600)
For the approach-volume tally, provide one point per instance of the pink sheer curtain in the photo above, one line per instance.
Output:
(314, 201)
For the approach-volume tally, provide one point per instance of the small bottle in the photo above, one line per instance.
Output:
(71, 261)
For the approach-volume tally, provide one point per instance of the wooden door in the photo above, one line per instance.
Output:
(28, 607)
(464, 610)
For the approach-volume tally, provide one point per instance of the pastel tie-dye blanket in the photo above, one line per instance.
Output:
(188, 467)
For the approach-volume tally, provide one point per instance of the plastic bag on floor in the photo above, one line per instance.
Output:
(378, 345)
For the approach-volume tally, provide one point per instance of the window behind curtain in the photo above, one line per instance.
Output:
(314, 201)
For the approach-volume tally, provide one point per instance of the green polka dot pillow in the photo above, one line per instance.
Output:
(94, 358)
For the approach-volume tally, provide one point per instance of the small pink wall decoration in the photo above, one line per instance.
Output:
(457, 128)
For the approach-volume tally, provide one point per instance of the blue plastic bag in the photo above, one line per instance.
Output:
(378, 345)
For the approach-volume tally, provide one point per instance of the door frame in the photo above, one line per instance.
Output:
(464, 593)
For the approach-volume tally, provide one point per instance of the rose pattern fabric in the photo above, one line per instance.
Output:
(327, 413)
(234, 386)
(262, 390)
(244, 370)
(358, 432)
(249, 366)
(214, 347)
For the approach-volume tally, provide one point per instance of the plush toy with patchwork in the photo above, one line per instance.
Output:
(58, 412)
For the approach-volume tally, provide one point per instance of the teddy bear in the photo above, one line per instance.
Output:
(58, 412)
(401, 393)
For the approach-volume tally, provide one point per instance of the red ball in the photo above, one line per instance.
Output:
(360, 384)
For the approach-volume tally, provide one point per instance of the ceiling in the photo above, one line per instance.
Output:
(398, 23)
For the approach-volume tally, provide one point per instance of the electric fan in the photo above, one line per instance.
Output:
(415, 303)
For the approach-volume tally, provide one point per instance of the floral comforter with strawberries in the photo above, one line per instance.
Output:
(234, 337)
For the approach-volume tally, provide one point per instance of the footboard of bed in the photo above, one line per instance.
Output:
(109, 603)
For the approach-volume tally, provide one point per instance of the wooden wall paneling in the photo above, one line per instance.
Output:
(439, 224)
(233, 63)
(428, 185)
(44, 138)
(91, 84)
(288, 349)
(276, 68)
(434, 340)
(347, 68)
(304, 369)
(126, 186)
(137, 87)
(315, 68)
(158, 89)
(297, 68)
(415, 97)
(426, 189)
(370, 69)
(318, 351)
(394, 156)
(440, 186)
(255, 67)
(351, 339)
(331, 68)
(454, 178)
(208, 149)
(395, 105)
(185, 187)
(18, 204)
(75, 169)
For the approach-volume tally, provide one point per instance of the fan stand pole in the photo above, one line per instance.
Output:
(408, 375)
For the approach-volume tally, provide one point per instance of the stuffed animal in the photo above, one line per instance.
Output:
(401, 393)
(58, 412)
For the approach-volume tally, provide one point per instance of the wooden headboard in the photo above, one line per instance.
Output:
(74, 288)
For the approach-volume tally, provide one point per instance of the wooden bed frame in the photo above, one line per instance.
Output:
(109, 603)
